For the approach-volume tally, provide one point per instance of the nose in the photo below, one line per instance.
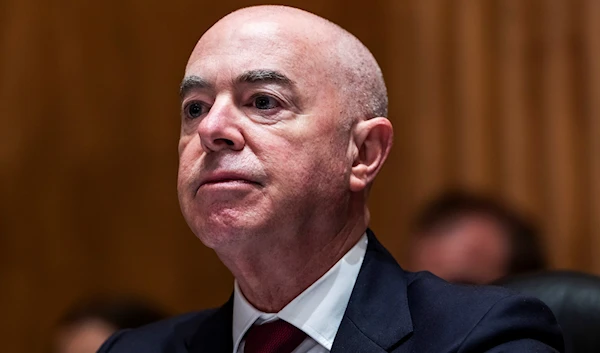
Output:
(220, 129)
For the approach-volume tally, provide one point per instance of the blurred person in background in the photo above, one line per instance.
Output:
(86, 325)
(469, 238)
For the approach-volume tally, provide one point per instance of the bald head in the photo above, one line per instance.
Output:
(294, 106)
(343, 61)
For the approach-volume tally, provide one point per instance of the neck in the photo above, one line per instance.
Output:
(272, 275)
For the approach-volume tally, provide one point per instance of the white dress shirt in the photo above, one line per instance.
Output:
(318, 311)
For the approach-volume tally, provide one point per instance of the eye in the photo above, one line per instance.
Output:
(194, 110)
(265, 103)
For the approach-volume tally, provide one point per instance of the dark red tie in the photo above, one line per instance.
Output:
(273, 337)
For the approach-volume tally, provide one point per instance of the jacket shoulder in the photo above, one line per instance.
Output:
(433, 300)
(464, 316)
(169, 335)
(427, 291)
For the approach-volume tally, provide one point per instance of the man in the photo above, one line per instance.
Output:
(468, 238)
(283, 132)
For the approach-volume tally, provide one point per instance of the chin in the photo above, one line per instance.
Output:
(218, 221)
(223, 229)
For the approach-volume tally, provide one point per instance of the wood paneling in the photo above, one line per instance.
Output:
(590, 12)
(497, 95)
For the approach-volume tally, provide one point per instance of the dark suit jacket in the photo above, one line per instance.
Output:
(390, 310)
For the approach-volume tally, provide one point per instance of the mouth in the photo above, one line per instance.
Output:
(227, 179)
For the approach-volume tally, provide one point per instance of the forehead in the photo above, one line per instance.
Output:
(227, 50)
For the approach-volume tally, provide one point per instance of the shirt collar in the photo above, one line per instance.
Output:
(318, 311)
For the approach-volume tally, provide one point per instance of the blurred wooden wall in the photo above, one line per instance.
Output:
(501, 96)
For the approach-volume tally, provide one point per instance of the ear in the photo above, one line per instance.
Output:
(373, 141)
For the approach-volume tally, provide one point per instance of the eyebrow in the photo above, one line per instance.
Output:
(193, 82)
(265, 76)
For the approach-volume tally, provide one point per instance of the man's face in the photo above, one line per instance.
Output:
(471, 249)
(82, 337)
(262, 147)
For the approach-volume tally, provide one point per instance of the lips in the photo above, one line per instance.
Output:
(216, 178)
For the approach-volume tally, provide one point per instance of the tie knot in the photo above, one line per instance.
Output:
(273, 337)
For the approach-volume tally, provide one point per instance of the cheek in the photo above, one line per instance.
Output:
(183, 141)
(188, 157)
(311, 168)
(329, 159)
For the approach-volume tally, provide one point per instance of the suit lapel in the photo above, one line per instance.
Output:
(377, 318)
(213, 335)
